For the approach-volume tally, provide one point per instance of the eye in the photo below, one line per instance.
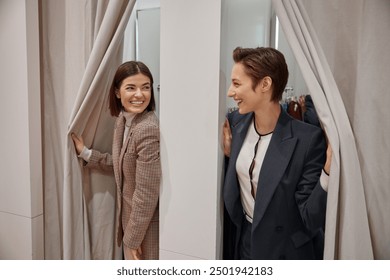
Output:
(130, 88)
(146, 88)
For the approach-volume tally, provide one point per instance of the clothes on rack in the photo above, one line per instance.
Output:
(294, 109)
(291, 105)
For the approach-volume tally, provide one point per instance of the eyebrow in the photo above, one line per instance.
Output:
(144, 84)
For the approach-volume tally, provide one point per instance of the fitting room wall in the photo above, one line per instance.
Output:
(21, 206)
(190, 122)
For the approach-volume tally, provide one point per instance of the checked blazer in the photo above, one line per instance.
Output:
(137, 169)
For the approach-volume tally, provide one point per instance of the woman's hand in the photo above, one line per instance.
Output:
(227, 138)
(328, 159)
(136, 253)
(78, 143)
(132, 254)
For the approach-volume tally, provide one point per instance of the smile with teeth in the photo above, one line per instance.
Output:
(136, 102)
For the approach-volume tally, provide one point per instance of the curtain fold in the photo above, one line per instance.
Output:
(64, 52)
(354, 36)
(88, 197)
(347, 233)
(81, 50)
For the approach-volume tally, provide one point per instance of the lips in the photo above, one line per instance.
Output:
(136, 102)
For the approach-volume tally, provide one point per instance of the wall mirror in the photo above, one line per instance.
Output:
(246, 23)
(142, 40)
(253, 23)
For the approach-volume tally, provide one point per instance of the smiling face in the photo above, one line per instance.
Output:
(135, 93)
(241, 90)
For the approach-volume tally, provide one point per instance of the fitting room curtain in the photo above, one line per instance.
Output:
(80, 49)
(350, 95)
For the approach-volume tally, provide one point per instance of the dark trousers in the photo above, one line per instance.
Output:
(244, 245)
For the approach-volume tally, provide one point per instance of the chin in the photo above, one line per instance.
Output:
(242, 111)
(135, 110)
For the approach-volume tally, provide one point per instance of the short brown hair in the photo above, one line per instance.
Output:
(127, 69)
(261, 62)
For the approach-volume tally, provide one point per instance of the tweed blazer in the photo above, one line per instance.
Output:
(290, 204)
(137, 170)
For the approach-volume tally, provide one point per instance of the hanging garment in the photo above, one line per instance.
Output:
(294, 110)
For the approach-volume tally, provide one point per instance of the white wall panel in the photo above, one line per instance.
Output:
(21, 203)
(190, 220)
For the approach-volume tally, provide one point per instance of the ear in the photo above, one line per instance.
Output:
(266, 83)
(117, 94)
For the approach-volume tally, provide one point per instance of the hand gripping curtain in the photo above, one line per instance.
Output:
(89, 198)
(347, 234)
(354, 36)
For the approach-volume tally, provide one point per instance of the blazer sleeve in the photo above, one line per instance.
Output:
(310, 196)
(147, 188)
(100, 161)
(310, 116)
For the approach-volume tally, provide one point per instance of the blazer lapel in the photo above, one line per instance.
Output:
(239, 129)
(125, 143)
(277, 157)
(239, 125)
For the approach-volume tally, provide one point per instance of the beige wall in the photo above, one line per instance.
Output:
(21, 207)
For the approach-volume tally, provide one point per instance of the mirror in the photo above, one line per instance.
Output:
(142, 40)
(147, 47)
(253, 23)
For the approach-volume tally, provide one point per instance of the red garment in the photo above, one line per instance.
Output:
(294, 109)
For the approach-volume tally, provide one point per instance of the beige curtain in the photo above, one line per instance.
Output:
(80, 50)
(355, 36)
(341, 54)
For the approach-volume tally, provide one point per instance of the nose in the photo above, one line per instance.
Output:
(231, 92)
(138, 92)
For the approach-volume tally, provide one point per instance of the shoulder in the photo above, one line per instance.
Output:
(305, 130)
(146, 119)
(235, 118)
(146, 124)
(309, 136)
(299, 129)
(304, 126)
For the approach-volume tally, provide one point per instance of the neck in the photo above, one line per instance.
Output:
(129, 117)
(267, 117)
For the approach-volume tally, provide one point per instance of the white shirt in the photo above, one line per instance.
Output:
(243, 164)
(244, 161)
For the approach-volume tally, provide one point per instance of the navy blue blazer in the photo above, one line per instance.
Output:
(290, 204)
